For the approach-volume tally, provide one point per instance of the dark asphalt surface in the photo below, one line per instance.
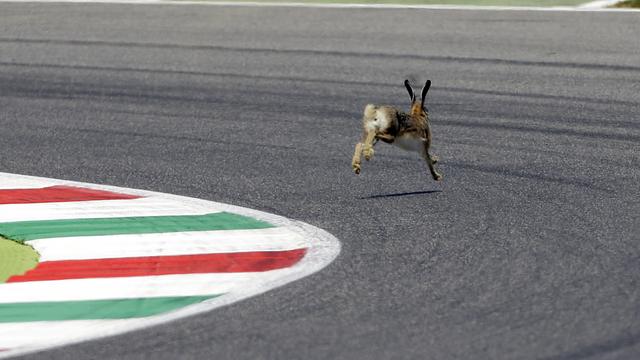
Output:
(529, 249)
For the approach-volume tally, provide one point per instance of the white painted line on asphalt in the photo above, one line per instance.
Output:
(578, 8)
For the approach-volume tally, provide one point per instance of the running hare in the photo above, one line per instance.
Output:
(408, 131)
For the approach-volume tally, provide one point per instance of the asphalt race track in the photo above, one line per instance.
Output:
(529, 248)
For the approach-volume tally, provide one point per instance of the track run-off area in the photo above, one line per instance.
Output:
(528, 249)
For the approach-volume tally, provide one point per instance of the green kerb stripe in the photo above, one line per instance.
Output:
(30, 230)
(94, 309)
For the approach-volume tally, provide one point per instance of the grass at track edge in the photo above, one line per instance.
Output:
(15, 258)
(627, 4)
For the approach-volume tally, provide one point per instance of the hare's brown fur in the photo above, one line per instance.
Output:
(409, 131)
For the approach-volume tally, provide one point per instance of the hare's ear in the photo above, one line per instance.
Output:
(426, 87)
(410, 90)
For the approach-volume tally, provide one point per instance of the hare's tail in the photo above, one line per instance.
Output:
(370, 111)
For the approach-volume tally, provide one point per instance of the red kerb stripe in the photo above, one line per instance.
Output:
(60, 193)
(162, 265)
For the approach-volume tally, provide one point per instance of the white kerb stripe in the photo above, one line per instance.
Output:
(23, 183)
(39, 333)
(132, 287)
(146, 206)
(168, 244)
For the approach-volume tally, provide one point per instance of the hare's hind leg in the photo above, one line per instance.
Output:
(431, 161)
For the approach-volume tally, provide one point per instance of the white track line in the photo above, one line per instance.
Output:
(168, 244)
(334, 6)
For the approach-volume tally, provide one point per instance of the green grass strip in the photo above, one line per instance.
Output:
(94, 309)
(627, 4)
(15, 259)
(31, 230)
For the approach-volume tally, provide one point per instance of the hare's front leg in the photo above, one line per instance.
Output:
(355, 162)
(367, 146)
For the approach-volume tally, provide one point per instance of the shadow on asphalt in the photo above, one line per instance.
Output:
(401, 194)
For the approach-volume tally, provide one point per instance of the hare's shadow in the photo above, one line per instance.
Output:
(400, 194)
